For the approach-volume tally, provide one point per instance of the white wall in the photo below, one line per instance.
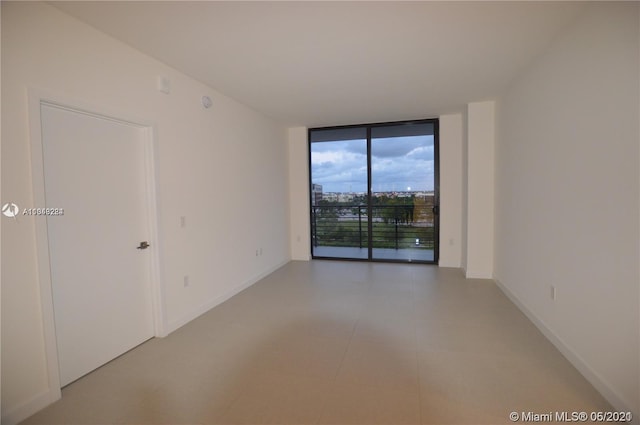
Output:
(567, 197)
(451, 163)
(300, 232)
(224, 169)
(480, 189)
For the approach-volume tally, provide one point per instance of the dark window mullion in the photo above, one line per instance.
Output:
(369, 197)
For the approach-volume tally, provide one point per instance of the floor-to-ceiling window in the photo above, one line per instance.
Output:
(374, 191)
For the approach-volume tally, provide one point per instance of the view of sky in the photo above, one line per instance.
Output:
(397, 164)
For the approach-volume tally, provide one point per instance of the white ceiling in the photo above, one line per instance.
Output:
(332, 63)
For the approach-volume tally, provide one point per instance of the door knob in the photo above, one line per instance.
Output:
(143, 245)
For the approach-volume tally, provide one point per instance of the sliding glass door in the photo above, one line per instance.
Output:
(339, 196)
(374, 192)
(403, 192)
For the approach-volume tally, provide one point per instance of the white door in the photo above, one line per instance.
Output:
(94, 170)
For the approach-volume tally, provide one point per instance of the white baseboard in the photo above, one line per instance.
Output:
(478, 274)
(574, 358)
(37, 403)
(203, 308)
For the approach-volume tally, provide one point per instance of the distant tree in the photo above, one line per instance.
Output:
(394, 210)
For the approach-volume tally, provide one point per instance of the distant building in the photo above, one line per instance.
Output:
(316, 193)
(330, 196)
(345, 197)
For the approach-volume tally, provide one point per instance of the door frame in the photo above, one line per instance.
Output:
(436, 188)
(36, 98)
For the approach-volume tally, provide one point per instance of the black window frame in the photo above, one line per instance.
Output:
(436, 188)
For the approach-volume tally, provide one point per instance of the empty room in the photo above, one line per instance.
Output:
(320, 212)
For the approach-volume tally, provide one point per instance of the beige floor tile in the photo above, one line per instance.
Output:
(494, 385)
(389, 331)
(274, 398)
(307, 356)
(351, 404)
(384, 307)
(379, 365)
(437, 408)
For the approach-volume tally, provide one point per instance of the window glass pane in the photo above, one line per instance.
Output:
(339, 193)
(403, 196)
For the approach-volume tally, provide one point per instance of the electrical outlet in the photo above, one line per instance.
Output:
(186, 281)
(553, 293)
(163, 84)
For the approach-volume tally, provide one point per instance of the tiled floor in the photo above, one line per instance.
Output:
(338, 343)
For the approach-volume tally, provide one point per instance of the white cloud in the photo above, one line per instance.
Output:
(397, 163)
